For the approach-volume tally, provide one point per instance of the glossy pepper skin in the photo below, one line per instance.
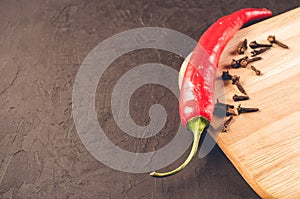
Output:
(196, 103)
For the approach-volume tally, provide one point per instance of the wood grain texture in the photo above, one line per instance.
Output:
(265, 146)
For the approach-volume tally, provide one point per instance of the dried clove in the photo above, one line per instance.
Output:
(272, 39)
(259, 51)
(254, 44)
(240, 97)
(226, 124)
(236, 81)
(242, 47)
(237, 63)
(230, 112)
(245, 62)
(226, 76)
(257, 72)
(246, 110)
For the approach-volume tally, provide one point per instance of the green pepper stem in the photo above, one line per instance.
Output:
(197, 126)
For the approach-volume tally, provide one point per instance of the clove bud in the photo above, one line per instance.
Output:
(240, 97)
(236, 81)
(257, 72)
(272, 39)
(246, 110)
(254, 44)
(259, 51)
(226, 124)
(245, 62)
(242, 47)
(226, 76)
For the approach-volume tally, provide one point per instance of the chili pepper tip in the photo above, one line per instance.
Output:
(197, 125)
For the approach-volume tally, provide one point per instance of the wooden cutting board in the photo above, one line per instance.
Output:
(265, 146)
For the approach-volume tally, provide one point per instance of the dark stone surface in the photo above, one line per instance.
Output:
(42, 44)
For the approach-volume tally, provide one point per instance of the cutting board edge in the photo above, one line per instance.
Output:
(243, 171)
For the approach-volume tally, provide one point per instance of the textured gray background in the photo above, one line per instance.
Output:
(42, 44)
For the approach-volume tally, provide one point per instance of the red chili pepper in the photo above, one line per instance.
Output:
(196, 104)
